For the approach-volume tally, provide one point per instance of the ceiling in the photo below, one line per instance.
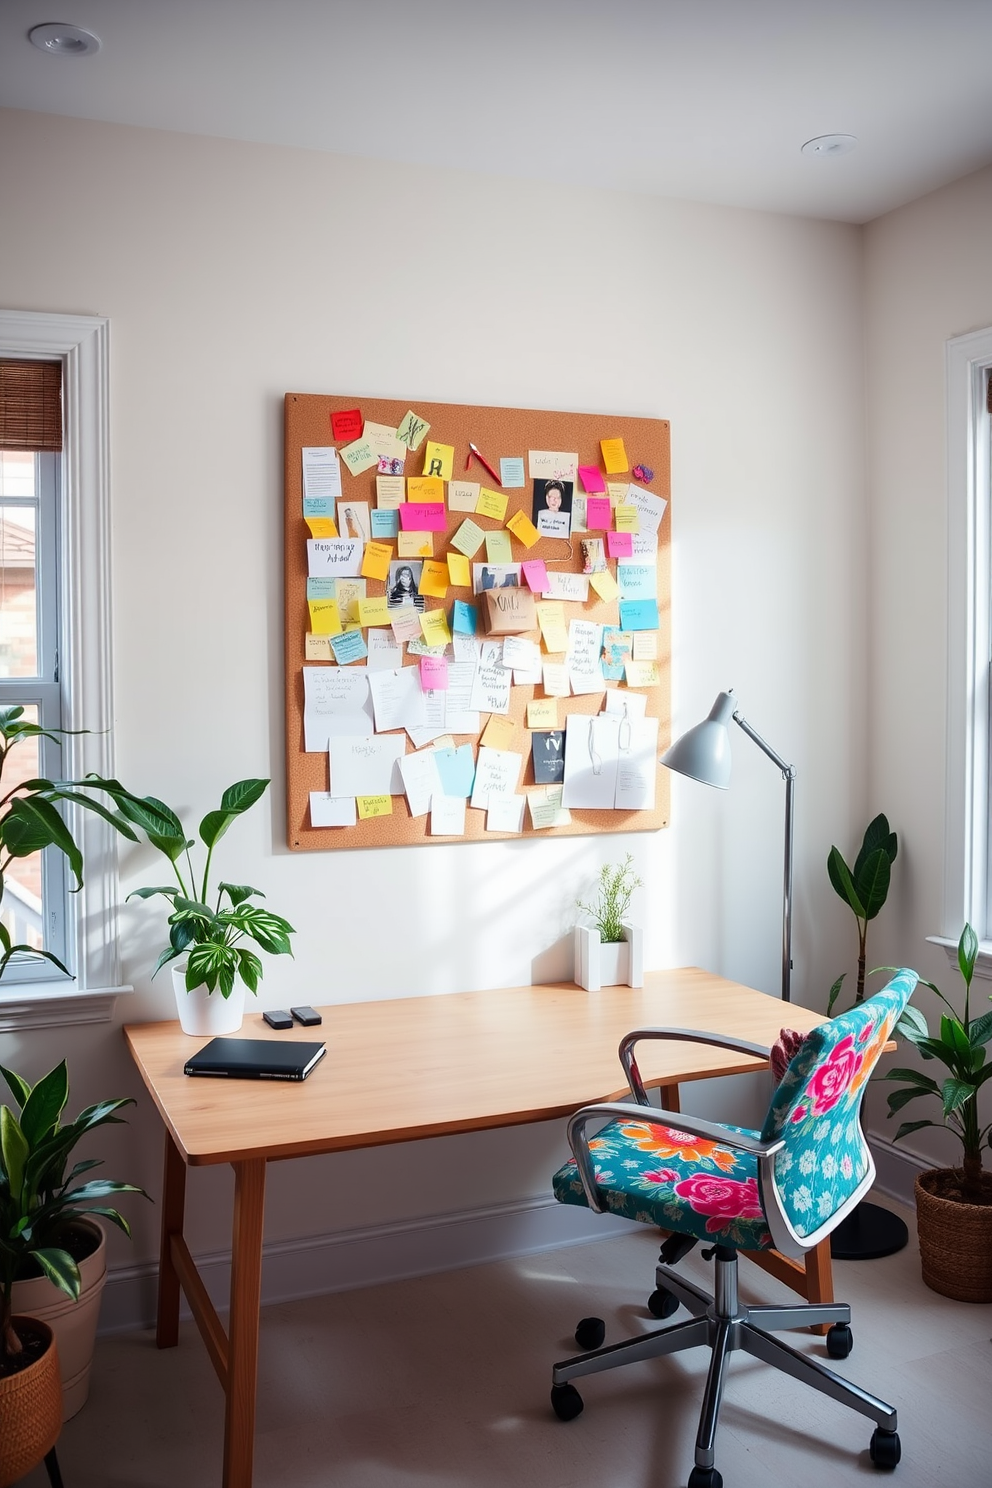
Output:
(706, 99)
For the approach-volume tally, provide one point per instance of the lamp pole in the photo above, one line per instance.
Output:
(789, 776)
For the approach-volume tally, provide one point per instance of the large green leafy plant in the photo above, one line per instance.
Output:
(864, 889)
(961, 1047)
(38, 1199)
(210, 936)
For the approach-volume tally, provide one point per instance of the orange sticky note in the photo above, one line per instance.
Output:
(459, 573)
(498, 732)
(614, 456)
(434, 579)
(321, 526)
(523, 529)
(424, 488)
(376, 560)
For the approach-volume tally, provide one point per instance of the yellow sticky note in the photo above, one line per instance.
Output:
(469, 538)
(523, 529)
(374, 611)
(491, 504)
(390, 492)
(626, 518)
(415, 545)
(434, 628)
(370, 806)
(424, 488)
(412, 430)
(321, 526)
(542, 713)
(434, 579)
(556, 679)
(617, 491)
(325, 617)
(614, 456)
(318, 648)
(498, 548)
(376, 560)
(458, 571)
(498, 733)
(349, 592)
(605, 585)
(438, 459)
(642, 674)
(551, 618)
(645, 645)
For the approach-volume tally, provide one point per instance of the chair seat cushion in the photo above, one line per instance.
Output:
(661, 1176)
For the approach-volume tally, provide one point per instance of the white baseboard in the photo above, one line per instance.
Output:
(292, 1269)
(896, 1170)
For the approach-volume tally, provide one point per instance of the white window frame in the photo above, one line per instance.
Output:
(81, 343)
(967, 831)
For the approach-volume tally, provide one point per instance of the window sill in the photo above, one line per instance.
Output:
(983, 966)
(54, 1005)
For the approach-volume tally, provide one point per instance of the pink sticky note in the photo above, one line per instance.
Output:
(434, 673)
(620, 544)
(591, 478)
(536, 575)
(599, 514)
(424, 516)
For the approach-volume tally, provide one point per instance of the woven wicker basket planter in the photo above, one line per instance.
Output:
(30, 1412)
(955, 1243)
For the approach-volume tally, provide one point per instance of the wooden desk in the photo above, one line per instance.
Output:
(417, 1067)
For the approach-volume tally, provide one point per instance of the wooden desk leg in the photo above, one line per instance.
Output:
(819, 1273)
(669, 1098)
(246, 1292)
(173, 1211)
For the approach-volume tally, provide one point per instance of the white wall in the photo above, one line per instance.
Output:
(234, 273)
(926, 279)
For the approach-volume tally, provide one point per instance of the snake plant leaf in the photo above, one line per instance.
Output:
(872, 883)
(843, 884)
(45, 1104)
(60, 1268)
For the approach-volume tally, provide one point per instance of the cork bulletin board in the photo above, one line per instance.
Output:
(497, 434)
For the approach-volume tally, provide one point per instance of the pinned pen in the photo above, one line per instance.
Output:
(482, 461)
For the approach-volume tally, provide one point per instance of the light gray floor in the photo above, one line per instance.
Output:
(443, 1382)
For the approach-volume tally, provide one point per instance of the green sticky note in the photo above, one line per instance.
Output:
(469, 538)
(498, 548)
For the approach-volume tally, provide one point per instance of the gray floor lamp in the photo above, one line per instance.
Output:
(704, 754)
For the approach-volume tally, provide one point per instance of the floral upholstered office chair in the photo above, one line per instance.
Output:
(786, 1187)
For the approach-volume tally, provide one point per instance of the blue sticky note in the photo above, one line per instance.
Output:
(638, 614)
(318, 506)
(637, 581)
(456, 768)
(385, 523)
(322, 589)
(511, 473)
(349, 646)
(464, 618)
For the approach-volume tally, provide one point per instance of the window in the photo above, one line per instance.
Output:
(968, 838)
(66, 496)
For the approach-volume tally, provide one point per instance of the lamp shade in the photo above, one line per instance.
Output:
(703, 753)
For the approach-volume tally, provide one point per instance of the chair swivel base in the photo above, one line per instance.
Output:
(721, 1324)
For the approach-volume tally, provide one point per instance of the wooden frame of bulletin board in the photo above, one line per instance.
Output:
(497, 433)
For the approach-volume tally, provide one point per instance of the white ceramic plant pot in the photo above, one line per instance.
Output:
(207, 1014)
(73, 1323)
(615, 964)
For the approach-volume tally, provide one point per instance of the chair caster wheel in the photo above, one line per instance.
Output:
(662, 1303)
(840, 1341)
(566, 1402)
(590, 1333)
(705, 1477)
(884, 1450)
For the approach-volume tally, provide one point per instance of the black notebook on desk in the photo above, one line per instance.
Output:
(256, 1059)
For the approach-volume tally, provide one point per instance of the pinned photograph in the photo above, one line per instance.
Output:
(553, 507)
(403, 586)
(353, 520)
(495, 576)
(548, 754)
(593, 555)
(390, 465)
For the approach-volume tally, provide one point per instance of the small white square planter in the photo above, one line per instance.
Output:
(616, 964)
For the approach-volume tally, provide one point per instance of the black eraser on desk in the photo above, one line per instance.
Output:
(308, 1016)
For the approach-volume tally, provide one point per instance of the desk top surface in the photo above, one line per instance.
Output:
(424, 1066)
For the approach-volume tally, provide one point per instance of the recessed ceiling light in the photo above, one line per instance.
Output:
(831, 144)
(62, 40)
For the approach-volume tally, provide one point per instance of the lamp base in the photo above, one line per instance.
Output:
(868, 1233)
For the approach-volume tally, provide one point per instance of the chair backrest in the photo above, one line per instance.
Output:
(816, 1112)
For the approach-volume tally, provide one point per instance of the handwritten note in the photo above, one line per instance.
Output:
(585, 674)
(412, 430)
(506, 813)
(491, 504)
(359, 456)
(420, 781)
(438, 459)
(317, 647)
(496, 774)
(347, 648)
(390, 491)
(626, 518)
(620, 544)
(552, 465)
(335, 701)
(571, 586)
(385, 523)
(423, 516)
(499, 732)
(434, 626)
(385, 652)
(459, 574)
(556, 679)
(463, 496)
(464, 618)
(546, 809)
(331, 811)
(375, 562)
(374, 611)
(447, 817)
(542, 713)
(321, 472)
(425, 488)
(614, 456)
(536, 574)
(639, 614)
(599, 513)
(642, 674)
(469, 538)
(415, 544)
(637, 581)
(650, 508)
(434, 579)
(366, 767)
(433, 673)
(605, 585)
(372, 806)
(591, 478)
(511, 473)
(551, 619)
(333, 557)
(491, 684)
(324, 616)
(523, 529)
(456, 768)
(498, 549)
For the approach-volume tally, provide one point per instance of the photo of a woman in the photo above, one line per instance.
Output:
(403, 584)
(553, 507)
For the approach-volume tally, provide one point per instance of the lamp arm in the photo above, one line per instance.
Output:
(789, 776)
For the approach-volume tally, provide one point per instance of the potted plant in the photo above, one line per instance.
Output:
(953, 1205)
(864, 889)
(207, 941)
(45, 1233)
(610, 952)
